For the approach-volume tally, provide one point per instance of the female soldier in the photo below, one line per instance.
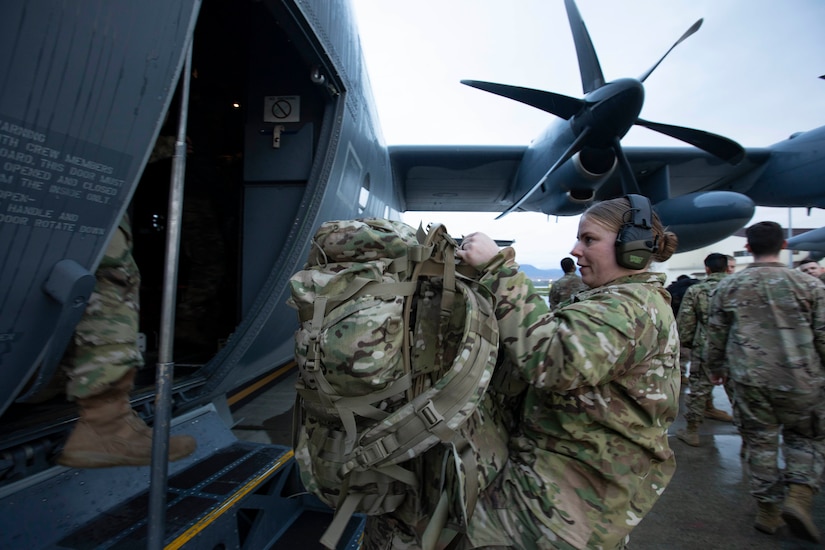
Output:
(590, 454)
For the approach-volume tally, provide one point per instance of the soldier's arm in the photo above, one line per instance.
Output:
(573, 346)
(718, 329)
(686, 320)
(819, 322)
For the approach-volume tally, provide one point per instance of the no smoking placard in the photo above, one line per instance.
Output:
(282, 108)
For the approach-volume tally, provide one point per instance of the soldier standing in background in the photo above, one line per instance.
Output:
(567, 285)
(677, 290)
(766, 332)
(812, 268)
(692, 322)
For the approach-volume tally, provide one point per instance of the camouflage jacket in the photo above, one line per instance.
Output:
(564, 288)
(767, 328)
(602, 374)
(693, 316)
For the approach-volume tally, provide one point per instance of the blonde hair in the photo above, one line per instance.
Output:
(614, 213)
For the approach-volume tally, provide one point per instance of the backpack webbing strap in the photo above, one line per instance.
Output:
(359, 286)
(329, 408)
(348, 407)
(380, 477)
(319, 320)
(327, 396)
(418, 421)
(462, 454)
(340, 520)
(428, 414)
(456, 454)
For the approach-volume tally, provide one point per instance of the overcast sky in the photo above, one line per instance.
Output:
(750, 73)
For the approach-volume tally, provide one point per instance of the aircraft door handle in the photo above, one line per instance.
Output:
(276, 136)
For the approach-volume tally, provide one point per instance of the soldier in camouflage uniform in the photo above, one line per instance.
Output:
(692, 322)
(812, 268)
(569, 284)
(766, 332)
(101, 362)
(590, 456)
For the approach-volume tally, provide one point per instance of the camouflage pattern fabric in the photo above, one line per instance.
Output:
(564, 288)
(592, 455)
(760, 413)
(766, 328)
(104, 346)
(766, 332)
(394, 414)
(692, 321)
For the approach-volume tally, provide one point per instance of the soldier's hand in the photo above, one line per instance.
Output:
(477, 249)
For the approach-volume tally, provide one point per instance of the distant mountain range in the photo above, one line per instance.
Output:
(537, 274)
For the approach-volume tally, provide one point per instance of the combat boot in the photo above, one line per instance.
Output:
(768, 518)
(109, 433)
(716, 414)
(690, 435)
(796, 511)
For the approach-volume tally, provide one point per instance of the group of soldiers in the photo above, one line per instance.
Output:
(759, 333)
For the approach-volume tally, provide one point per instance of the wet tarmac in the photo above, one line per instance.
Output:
(706, 506)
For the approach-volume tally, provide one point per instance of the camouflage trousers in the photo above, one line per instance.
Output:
(795, 422)
(701, 391)
(104, 346)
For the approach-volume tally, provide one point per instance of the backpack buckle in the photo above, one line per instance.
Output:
(376, 451)
(429, 414)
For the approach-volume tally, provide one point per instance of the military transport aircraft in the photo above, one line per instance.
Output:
(275, 131)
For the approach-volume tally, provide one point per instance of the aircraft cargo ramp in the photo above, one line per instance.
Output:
(229, 494)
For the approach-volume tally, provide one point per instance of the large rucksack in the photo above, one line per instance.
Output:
(395, 351)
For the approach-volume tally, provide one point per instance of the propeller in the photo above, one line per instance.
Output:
(568, 154)
(607, 112)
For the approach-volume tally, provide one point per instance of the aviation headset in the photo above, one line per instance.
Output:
(635, 242)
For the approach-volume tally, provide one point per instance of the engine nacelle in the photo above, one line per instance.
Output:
(811, 241)
(703, 218)
(572, 188)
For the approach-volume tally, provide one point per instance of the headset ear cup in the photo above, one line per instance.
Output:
(635, 243)
(634, 247)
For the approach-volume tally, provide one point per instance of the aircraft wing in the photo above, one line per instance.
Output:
(480, 178)
(455, 178)
(690, 170)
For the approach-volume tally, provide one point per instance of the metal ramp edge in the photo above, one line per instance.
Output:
(229, 494)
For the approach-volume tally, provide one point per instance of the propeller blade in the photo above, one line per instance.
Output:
(560, 105)
(591, 71)
(690, 31)
(629, 184)
(718, 146)
(574, 148)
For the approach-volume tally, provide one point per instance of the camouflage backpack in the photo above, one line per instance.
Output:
(395, 351)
